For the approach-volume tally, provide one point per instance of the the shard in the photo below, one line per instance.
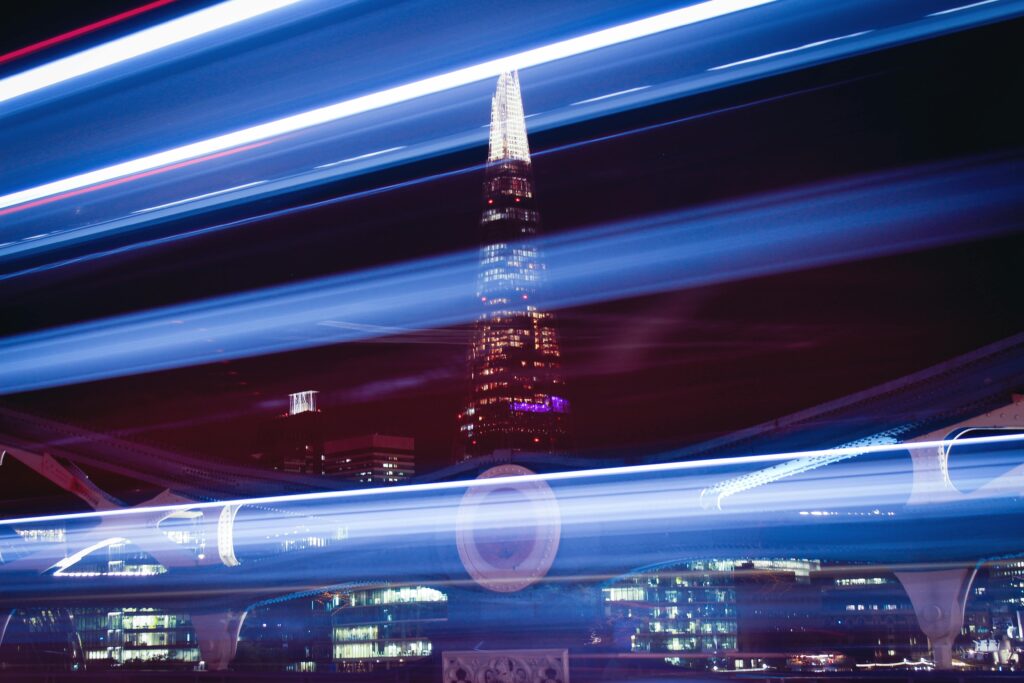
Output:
(517, 400)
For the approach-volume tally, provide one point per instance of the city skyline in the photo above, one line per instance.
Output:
(588, 340)
(711, 351)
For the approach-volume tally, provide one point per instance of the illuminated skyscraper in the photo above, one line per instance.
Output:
(517, 400)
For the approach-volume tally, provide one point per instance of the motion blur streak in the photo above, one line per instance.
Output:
(869, 216)
(661, 471)
(142, 174)
(83, 30)
(808, 46)
(358, 105)
(137, 44)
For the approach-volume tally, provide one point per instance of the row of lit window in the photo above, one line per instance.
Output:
(510, 185)
(510, 213)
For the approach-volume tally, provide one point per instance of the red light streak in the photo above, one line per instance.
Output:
(81, 31)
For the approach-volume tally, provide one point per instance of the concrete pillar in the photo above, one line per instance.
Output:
(939, 597)
(217, 633)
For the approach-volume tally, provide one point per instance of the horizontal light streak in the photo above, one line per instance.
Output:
(137, 44)
(200, 196)
(574, 475)
(340, 110)
(962, 8)
(770, 55)
(610, 95)
(368, 155)
(865, 217)
(141, 174)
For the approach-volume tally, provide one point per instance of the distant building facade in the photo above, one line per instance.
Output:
(297, 442)
(386, 626)
(711, 614)
(372, 459)
(294, 442)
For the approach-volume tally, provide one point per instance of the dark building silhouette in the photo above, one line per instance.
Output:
(376, 459)
(295, 440)
(517, 400)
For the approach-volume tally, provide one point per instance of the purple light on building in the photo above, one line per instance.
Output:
(521, 407)
(554, 404)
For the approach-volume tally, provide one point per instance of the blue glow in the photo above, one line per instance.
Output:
(666, 21)
(838, 222)
(597, 474)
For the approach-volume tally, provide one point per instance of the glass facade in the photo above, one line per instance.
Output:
(706, 614)
(382, 627)
(517, 397)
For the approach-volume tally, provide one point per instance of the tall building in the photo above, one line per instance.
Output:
(295, 440)
(517, 400)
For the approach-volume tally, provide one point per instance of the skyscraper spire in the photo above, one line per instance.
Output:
(508, 123)
(517, 400)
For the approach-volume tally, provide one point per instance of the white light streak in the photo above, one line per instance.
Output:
(198, 197)
(547, 477)
(611, 94)
(137, 44)
(383, 98)
(808, 46)
(362, 156)
(961, 8)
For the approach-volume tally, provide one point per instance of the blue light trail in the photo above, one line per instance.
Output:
(597, 40)
(143, 42)
(167, 110)
(860, 218)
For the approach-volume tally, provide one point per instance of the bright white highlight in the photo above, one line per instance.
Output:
(384, 98)
(961, 8)
(226, 535)
(549, 477)
(198, 197)
(508, 124)
(137, 44)
(302, 402)
(808, 46)
(609, 95)
(368, 155)
(72, 560)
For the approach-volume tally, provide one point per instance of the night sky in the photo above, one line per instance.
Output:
(643, 373)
